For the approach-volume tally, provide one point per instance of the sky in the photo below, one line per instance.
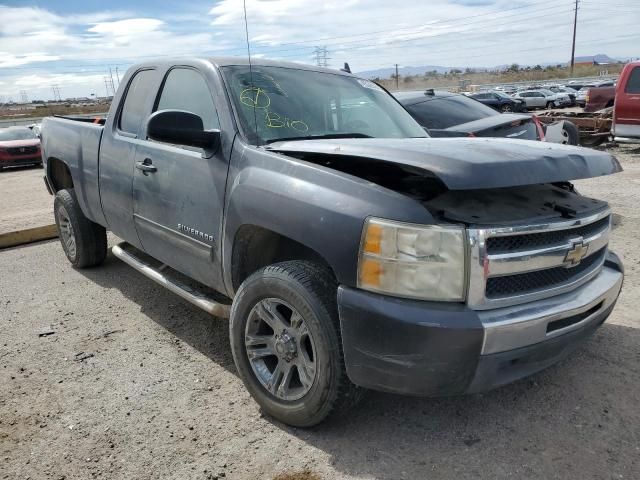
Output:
(75, 44)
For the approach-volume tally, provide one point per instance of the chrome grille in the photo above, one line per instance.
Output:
(531, 281)
(536, 240)
(511, 265)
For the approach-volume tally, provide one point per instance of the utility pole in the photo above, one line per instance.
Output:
(573, 46)
(397, 78)
(118, 76)
(23, 96)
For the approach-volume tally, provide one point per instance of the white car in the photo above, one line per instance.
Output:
(543, 98)
(562, 99)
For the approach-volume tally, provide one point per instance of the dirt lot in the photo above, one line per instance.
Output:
(24, 200)
(105, 375)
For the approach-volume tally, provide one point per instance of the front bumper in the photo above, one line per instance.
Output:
(431, 348)
(13, 161)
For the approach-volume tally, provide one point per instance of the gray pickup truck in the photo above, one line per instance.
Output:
(348, 248)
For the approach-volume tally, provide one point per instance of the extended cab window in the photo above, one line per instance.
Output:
(633, 85)
(135, 101)
(185, 89)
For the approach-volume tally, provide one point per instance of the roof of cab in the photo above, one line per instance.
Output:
(230, 61)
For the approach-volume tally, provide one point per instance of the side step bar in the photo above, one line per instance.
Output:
(198, 299)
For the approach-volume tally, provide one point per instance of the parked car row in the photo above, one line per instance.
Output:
(446, 114)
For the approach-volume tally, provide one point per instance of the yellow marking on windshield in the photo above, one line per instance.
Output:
(255, 97)
(258, 98)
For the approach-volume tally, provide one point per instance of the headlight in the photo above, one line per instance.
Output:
(416, 261)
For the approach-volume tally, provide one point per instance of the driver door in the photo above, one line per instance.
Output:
(178, 191)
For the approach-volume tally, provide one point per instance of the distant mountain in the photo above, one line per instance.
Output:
(599, 58)
(403, 71)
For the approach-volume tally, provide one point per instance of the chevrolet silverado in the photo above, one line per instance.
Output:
(348, 249)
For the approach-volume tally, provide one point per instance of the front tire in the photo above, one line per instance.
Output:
(84, 242)
(285, 339)
(506, 108)
(549, 105)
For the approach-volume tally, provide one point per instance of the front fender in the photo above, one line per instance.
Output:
(316, 206)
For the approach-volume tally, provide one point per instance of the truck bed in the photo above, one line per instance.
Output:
(77, 141)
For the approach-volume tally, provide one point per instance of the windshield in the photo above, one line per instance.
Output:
(502, 94)
(292, 103)
(445, 112)
(16, 134)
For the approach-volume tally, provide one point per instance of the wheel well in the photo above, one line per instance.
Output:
(256, 247)
(59, 174)
(609, 104)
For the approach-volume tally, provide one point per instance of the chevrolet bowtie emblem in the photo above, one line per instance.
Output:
(577, 253)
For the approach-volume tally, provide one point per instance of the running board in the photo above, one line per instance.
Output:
(206, 303)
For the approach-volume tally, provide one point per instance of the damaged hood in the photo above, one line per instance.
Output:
(466, 163)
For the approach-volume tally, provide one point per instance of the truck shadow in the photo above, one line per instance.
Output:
(207, 334)
(577, 419)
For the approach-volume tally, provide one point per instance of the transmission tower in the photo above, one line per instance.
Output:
(322, 55)
(108, 85)
(56, 93)
(23, 96)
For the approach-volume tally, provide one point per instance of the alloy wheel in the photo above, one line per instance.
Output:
(66, 231)
(280, 349)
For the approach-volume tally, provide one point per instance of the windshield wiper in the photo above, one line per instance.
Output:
(316, 137)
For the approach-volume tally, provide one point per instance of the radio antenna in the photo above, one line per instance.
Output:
(246, 31)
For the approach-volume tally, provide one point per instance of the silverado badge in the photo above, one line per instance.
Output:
(195, 233)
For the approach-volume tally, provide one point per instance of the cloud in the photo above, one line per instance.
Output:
(368, 34)
(128, 27)
(10, 60)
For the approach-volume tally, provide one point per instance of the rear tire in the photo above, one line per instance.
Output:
(84, 242)
(297, 378)
(570, 134)
(592, 141)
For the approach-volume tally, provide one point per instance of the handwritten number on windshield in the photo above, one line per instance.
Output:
(255, 97)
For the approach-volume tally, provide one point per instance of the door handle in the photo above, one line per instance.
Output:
(146, 166)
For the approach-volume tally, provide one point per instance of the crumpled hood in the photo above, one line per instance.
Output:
(469, 163)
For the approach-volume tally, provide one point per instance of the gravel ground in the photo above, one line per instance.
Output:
(105, 375)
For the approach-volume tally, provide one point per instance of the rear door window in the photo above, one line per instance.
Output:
(185, 89)
(633, 85)
(133, 108)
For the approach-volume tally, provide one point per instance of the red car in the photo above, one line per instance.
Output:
(19, 146)
(626, 111)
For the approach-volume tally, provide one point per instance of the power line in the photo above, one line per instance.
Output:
(598, 41)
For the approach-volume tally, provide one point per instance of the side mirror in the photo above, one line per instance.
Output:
(181, 128)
